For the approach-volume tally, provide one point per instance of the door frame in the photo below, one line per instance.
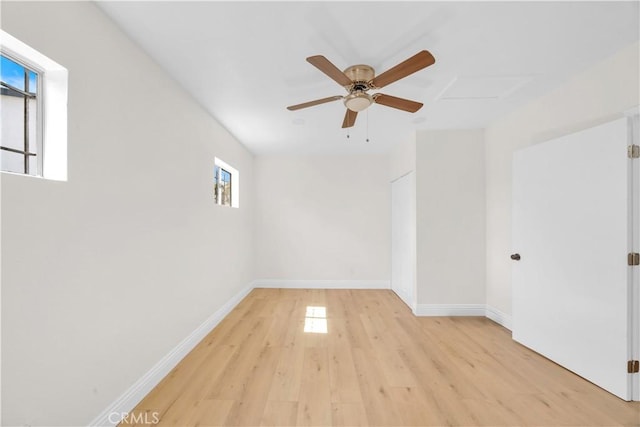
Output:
(413, 303)
(633, 129)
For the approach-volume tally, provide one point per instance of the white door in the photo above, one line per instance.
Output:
(572, 230)
(402, 239)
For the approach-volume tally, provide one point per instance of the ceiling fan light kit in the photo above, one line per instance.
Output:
(359, 79)
(358, 101)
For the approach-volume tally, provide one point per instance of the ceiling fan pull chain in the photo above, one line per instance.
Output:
(367, 126)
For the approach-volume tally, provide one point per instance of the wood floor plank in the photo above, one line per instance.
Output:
(288, 376)
(349, 414)
(356, 333)
(188, 383)
(343, 377)
(202, 413)
(416, 407)
(314, 405)
(258, 381)
(376, 365)
(232, 383)
(375, 390)
(245, 413)
(386, 345)
(337, 303)
(280, 414)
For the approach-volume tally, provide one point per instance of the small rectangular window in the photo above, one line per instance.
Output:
(226, 184)
(223, 187)
(21, 139)
(33, 107)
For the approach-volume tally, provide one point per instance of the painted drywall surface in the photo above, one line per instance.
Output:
(104, 274)
(450, 195)
(599, 94)
(402, 158)
(322, 218)
(1, 299)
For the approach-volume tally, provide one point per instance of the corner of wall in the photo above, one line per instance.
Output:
(498, 316)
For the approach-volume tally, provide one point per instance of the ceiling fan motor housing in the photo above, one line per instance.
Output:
(360, 75)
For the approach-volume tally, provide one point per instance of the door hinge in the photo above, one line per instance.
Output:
(633, 258)
(633, 366)
(633, 151)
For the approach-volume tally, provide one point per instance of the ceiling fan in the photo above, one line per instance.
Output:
(359, 79)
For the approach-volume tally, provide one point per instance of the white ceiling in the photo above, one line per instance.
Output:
(245, 61)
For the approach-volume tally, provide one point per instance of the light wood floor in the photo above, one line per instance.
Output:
(376, 365)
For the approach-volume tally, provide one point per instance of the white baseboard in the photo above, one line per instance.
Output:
(322, 284)
(450, 310)
(131, 397)
(499, 317)
(484, 310)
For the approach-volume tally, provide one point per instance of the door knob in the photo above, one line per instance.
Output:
(515, 257)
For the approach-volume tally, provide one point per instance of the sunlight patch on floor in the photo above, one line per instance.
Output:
(315, 320)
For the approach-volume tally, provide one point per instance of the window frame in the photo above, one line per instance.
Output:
(220, 171)
(53, 86)
(28, 65)
(234, 182)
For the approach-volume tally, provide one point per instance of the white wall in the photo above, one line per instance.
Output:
(402, 161)
(1, 315)
(597, 95)
(450, 213)
(402, 158)
(322, 218)
(104, 274)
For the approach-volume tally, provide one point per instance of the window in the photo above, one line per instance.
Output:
(33, 108)
(226, 184)
(223, 187)
(21, 139)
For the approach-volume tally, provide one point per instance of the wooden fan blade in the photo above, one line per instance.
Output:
(312, 103)
(399, 103)
(417, 62)
(324, 65)
(349, 119)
